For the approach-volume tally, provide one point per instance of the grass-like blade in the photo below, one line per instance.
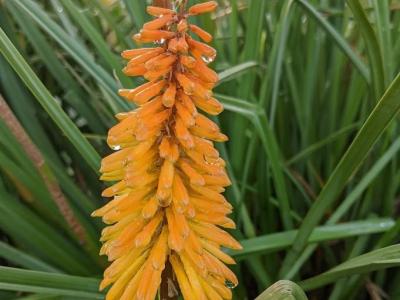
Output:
(23, 259)
(281, 240)
(283, 290)
(235, 71)
(379, 259)
(49, 283)
(383, 113)
(337, 38)
(48, 102)
(74, 48)
(373, 49)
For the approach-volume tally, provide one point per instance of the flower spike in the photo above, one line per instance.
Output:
(167, 205)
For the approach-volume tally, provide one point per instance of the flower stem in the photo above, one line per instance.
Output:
(169, 289)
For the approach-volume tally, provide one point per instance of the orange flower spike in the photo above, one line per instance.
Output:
(203, 8)
(168, 203)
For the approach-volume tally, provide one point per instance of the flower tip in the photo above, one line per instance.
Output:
(104, 283)
(95, 214)
(203, 8)
(222, 138)
(156, 11)
(107, 193)
(229, 224)
(236, 245)
(137, 37)
(123, 92)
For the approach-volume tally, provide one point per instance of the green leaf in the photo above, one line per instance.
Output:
(318, 145)
(49, 283)
(281, 240)
(238, 106)
(73, 47)
(374, 52)
(23, 259)
(337, 38)
(48, 102)
(97, 40)
(383, 113)
(376, 260)
(236, 71)
(365, 182)
(40, 237)
(283, 290)
(48, 56)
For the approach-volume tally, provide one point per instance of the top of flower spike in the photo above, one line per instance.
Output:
(203, 8)
(196, 9)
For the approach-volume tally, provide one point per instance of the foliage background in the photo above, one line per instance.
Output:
(300, 80)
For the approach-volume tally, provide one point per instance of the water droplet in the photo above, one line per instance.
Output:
(116, 147)
(208, 59)
(160, 42)
(229, 284)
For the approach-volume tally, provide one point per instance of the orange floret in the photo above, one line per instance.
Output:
(203, 8)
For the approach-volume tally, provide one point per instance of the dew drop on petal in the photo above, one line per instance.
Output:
(229, 284)
(208, 59)
(160, 42)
